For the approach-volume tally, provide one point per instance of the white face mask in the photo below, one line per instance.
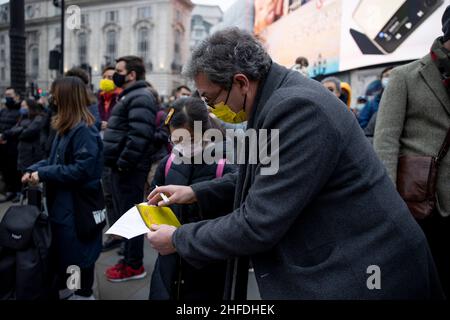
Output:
(189, 150)
(360, 106)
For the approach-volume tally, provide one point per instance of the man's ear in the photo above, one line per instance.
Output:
(242, 80)
(132, 76)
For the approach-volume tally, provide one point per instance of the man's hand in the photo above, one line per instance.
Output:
(104, 125)
(160, 238)
(176, 194)
(26, 178)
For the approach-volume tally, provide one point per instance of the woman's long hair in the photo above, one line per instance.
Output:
(72, 100)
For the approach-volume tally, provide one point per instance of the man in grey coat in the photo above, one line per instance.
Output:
(413, 119)
(328, 224)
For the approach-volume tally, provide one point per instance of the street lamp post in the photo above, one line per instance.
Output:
(61, 67)
(61, 4)
(17, 45)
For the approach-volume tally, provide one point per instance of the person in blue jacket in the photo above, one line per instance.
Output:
(77, 139)
(372, 105)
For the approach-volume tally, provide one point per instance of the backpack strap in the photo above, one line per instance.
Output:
(159, 115)
(220, 168)
(169, 164)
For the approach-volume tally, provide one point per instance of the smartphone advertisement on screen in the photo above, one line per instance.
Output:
(388, 23)
(340, 35)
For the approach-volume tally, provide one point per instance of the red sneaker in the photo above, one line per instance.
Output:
(115, 268)
(121, 272)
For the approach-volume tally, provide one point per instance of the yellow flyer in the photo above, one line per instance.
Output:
(157, 215)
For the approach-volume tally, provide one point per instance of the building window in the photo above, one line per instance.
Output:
(33, 37)
(143, 43)
(34, 62)
(2, 55)
(29, 11)
(144, 13)
(112, 16)
(177, 46)
(111, 45)
(176, 64)
(84, 19)
(2, 39)
(178, 16)
(58, 32)
(3, 74)
(4, 14)
(82, 48)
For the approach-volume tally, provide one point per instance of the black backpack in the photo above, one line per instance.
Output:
(25, 238)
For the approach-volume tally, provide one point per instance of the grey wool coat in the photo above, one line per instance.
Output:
(413, 119)
(315, 228)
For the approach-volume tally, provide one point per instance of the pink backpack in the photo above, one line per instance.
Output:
(219, 170)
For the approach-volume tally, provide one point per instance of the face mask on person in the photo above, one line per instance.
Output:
(106, 85)
(226, 114)
(304, 71)
(119, 80)
(360, 106)
(189, 150)
(9, 102)
(51, 104)
(385, 82)
(23, 111)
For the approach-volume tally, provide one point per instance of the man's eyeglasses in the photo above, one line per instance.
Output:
(211, 102)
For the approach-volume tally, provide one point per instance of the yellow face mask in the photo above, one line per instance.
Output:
(224, 113)
(107, 85)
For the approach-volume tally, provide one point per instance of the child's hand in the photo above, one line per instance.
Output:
(26, 178)
(34, 179)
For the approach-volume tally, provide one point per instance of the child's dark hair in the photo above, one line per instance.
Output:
(188, 110)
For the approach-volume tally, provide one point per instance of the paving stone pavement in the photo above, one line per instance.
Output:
(135, 289)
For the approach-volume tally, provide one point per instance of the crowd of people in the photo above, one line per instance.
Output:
(310, 230)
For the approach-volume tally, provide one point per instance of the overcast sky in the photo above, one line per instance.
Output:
(224, 4)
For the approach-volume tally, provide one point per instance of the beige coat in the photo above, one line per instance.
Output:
(413, 119)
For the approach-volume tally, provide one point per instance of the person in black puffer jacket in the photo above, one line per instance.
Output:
(8, 150)
(27, 132)
(128, 146)
(173, 278)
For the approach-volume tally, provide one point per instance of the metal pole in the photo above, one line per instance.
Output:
(17, 45)
(61, 66)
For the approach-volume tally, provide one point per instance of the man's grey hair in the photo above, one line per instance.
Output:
(226, 53)
(335, 80)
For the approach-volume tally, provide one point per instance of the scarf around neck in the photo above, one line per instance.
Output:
(441, 58)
